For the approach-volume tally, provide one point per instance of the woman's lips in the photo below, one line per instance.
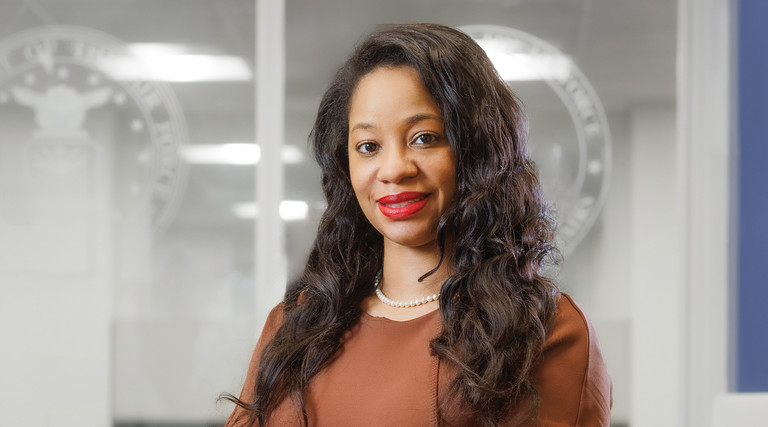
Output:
(402, 205)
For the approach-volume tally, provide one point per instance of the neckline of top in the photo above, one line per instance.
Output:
(369, 316)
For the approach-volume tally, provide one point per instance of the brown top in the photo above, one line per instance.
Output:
(385, 375)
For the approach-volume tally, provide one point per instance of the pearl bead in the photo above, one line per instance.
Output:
(401, 304)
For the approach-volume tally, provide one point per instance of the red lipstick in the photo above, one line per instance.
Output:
(402, 205)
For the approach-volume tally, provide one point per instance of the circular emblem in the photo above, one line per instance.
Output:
(573, 161)
(70, 112)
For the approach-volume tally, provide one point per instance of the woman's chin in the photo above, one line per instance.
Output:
(411, 241)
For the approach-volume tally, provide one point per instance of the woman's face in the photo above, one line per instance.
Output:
(401, 164)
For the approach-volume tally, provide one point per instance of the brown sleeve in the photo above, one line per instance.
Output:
(571, 376)
(239, 416)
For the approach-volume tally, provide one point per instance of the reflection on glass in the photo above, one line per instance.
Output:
(131, 279)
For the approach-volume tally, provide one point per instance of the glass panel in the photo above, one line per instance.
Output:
(126, 208)
(587, 126)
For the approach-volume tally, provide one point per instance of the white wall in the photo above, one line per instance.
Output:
(656, 269)
(55, 285)
(626, 272)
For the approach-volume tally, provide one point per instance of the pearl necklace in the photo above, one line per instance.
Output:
(402, 304)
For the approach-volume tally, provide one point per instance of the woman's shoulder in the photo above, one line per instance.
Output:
(570, 324)
(276, 316)
(271, 325)
(570, 375)
(275, 319)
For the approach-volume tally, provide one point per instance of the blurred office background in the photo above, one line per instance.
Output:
(156, 191)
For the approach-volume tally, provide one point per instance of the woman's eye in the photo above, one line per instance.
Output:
(425, 139)
(367, 147)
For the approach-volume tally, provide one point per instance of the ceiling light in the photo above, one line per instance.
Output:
(291, 154)
(518, 66)
(235, 154)
(290, 210)
(226, 154)
(294, 210)
(150, 49)
(245, 210)
(173, 63)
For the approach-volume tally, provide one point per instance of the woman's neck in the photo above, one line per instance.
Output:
(403, 266)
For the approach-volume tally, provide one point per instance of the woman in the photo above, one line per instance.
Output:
(423, 301)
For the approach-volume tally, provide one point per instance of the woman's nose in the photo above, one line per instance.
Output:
(396, 165)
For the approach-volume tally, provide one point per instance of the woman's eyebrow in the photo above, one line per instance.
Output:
(410, 120)
(419, 117)
(362, 125)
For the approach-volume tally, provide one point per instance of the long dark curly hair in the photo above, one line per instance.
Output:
(497, 305)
